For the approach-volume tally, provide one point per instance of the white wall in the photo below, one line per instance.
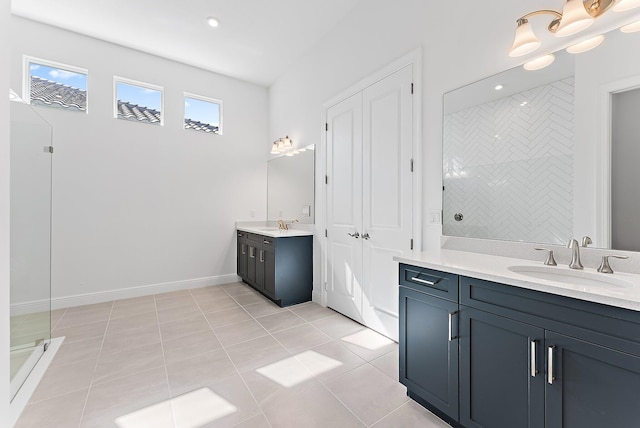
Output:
(134, 204)
(4, 209)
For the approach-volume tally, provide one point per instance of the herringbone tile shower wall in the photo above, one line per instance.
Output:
(508, 166)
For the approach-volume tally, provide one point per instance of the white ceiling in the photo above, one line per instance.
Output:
(256, 39)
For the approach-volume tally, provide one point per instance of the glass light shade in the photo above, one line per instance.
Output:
(286, 143)
(539, 63)
(525, 41)
(575, 18)
(631, 28)
(586, 45)
(625, 5)
(274, 148)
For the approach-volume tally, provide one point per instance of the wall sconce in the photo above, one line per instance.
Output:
(281, 145)
(576, 16)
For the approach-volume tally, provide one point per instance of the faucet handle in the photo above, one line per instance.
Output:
(605, 267)
(586, 241)
(550, 260)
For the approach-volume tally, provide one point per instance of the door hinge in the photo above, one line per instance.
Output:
(412, 243)
(412, 88)
(326, 179)
(48, 149)
(326, 126)
(411, 165)
(326, 233)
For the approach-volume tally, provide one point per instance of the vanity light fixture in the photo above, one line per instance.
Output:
(539, 63)
(631, 28)
(281, 145)
(576, 16)
(586, 45)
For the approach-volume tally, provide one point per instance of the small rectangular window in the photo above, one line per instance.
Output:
(202, 114)
(55, 85)
(138, 102)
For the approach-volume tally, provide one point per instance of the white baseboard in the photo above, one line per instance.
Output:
(119, 294)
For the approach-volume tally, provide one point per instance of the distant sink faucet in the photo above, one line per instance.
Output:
(575, 255)
(283, 225)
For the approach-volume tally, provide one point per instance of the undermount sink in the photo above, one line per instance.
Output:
(578, 278)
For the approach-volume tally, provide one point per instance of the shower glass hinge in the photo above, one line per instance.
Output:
(48, 149)
(412, 243)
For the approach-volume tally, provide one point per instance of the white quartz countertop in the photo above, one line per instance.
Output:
(274, 232)
(496, 269)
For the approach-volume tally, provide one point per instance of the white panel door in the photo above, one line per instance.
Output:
(387, 195)
(344, 207)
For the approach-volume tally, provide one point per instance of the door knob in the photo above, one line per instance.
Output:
(354, 235)
(365, 236)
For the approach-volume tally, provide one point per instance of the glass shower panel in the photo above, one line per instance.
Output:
(30, 289)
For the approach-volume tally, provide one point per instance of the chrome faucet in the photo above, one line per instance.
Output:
(575, 255)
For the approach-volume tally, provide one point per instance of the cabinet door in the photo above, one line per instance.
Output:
(428, 353)
(501, 372)
(592, 386)
(242, 256)
(270, 272)
(260, 269)
(251, 263)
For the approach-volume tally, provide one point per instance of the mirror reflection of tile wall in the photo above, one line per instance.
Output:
(508, 166)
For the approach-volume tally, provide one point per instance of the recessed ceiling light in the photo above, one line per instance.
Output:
(539, 63)
(213, 22)
(498, 87)
(586, 45)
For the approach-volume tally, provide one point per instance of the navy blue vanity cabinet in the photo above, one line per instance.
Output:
(280, 268)
(501, 372)
(587, 360)
(428, 338)
(242, 255)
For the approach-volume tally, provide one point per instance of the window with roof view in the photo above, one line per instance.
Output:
(138, 102)
(56, 85)
(202, 114)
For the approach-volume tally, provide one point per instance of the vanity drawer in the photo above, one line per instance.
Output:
(433, 282)
(609, 326)
(268, 242)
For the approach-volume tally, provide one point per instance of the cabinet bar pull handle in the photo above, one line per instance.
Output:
(261, 256)
(252, 252)
(550, 367)
(534, 371)
(266, 242)
(244, 249)
(424, 281)
(451, 314)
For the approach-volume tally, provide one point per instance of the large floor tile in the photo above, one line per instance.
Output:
(227, 316)
(388, 364)
(133, 337)
(280, 321)
(56, 315)
(73, 352)
(118, 397)
(368, 392)
(242, 405)
(266, 307)
(237, 289)
(130, 307)
(314, 408)
(312, 311)
(116, 363)
(338, 326)
(63, 411)
(250, 299)
(81, 332)
(137, 320)
(329, 360)
(301, 338)
(177, 313)
(369, 344)
(189, 345)
(73, 318)
(259, 421)
(194, 323)
(256, 353)
(240, 332)
(214, 304)
(62, 379)
(411, 415)
(199, 371)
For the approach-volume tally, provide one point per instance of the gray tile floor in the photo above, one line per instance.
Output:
(222, 356)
